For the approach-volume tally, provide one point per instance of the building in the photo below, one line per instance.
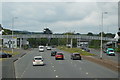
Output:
(14, 42)
(82, 43)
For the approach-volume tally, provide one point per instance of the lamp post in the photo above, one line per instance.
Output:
(1, 39)
(102, 34)
(13, 19)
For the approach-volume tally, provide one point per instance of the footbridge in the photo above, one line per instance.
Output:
(58, 36)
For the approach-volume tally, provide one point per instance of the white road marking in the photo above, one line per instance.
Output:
(54, 70)
(53, 66)
(86, 72)
(80, 61)
(57, 76)
(23, 72)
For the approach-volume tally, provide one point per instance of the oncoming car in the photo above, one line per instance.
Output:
(41, 48)
(38, 60)
(59, 55)
(110, 51)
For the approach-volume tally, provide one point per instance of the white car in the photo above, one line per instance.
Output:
(41, 48)
(48, 48)
(38, 60)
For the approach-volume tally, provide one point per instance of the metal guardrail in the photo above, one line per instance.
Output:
(58, 36)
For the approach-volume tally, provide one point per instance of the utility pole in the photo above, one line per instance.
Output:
(102, 34)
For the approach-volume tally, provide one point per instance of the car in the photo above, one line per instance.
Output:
(110, 51)
(86, 49)
(5, 55)
(41, 48)
(76, 56)
(53, 53)
(59, 55)
(48, 48)
(38, 60)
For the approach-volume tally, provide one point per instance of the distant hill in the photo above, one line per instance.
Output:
(9, 32)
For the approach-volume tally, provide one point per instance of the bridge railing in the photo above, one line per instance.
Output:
(57, 36)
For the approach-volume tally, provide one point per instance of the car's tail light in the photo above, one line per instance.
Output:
(33, 60)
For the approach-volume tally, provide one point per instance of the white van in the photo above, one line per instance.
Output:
(41, 48)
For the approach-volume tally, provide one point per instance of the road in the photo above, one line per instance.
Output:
(0, 69)
(113, 58)
(60, 68)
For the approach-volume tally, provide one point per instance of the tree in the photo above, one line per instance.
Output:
(103, 34)
(110, 35)
(90, 34)
(47, 31)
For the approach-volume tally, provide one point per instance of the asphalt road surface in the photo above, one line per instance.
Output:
(0, 69)
(60, 68)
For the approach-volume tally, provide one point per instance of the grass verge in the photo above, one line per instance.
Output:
(10, 52)
(72, 50)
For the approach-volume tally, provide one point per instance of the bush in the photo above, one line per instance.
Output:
(117, 49)
(25, 47)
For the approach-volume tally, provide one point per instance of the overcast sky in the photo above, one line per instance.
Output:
(81, 17)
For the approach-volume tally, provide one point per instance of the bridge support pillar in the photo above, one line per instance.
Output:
(20, 42)
(71, 42)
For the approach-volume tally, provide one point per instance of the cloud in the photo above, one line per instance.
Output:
(60, 0)
(60, 17)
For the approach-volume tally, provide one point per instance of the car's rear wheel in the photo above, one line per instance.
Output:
(7, 56)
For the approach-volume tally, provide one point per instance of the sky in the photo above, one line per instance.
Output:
(60, 17)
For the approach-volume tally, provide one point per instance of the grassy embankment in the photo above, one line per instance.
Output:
(72, 50)
(10, 52)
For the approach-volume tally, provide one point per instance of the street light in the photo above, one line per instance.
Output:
(1, 38)
(102, 34)
(12, 30)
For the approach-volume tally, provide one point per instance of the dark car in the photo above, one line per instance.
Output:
(5, 55)
(86, 49)
(59, 55)
(53, 53)
(75, 56)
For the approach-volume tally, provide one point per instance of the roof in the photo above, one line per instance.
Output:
(110, 48)
(76, 53)
(38, 57)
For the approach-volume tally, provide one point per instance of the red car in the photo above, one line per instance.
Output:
(59, 55)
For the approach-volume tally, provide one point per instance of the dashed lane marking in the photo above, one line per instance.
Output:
(54, 70)
(86, 72)
(56, 76)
